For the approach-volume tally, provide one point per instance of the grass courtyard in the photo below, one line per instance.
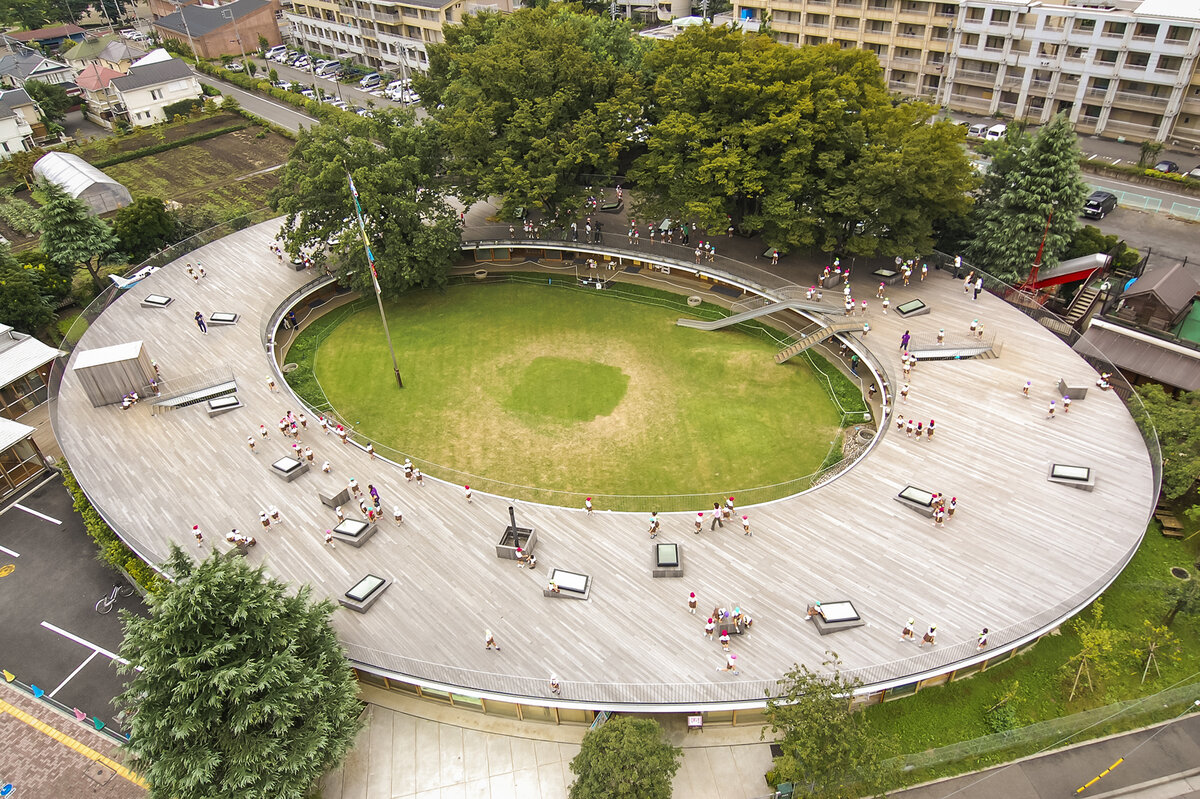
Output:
(572, 391)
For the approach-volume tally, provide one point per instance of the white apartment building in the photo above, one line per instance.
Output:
(386, 35)
(1126, 69)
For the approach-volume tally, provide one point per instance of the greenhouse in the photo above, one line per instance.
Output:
(83, 181)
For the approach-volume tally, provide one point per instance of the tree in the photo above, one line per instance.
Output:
(242, 689)
(801, 145)
(24, 303)
(1100, 649)
(1183, 596)
(251, 68)
(1033, 192)
(30, 14)
(1154, 642)
(263, 45)
(51, 98)
(624, 758)
(273, 75)
(528, 103)
(1148, 151)
(71, 236)
(1177, 424)
(1089, 239)
(397, 170)
(144, 227)
(829, 751)
(20, 164)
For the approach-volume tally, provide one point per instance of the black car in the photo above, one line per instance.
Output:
(1167, 166)
(1099, 204)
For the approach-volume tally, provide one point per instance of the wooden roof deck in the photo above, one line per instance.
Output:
(1019, 554)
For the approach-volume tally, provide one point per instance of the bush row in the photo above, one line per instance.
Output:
(112, 550)
(316, 109)
(154, 149)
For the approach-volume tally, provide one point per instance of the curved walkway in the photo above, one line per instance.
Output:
(1020, 554)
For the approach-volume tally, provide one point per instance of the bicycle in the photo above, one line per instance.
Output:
(105, 604)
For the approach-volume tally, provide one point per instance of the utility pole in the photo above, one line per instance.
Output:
(362, 226)
(179, 6)
(228, 14)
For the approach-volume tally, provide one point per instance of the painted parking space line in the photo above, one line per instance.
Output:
(84, 642)
(70, 676)
(8, 551)
(33, 512)
(71, 743)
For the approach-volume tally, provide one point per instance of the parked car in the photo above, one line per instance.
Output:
(371, 81)
(996, 132)
(323, 68)
(128, 33)
(1099, 204)
(309, 93)
(362, 112)
(1167, 166)
(977, 131)
(342, 104)
(302, 63)
(278, 49)
(1195, 173)
(234, 66)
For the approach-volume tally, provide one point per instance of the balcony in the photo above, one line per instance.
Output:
(1118, 128)
(847, 27)
(907, 64)
(904, 86)
(1012, 81)
(1008, 109)
(1142, 100)
(1039, 86)
(963, 103)
(1095, 93)
(976, 76)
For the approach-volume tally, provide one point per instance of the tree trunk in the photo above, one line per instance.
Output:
(93, 268)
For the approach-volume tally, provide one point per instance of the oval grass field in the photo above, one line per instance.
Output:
(574, 391)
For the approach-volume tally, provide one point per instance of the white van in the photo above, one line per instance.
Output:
(977, 131)
(996, 132)
(277, 50)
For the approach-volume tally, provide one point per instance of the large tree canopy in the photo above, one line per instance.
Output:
(71, 235)
(243, 690)
(24, 299)
(624, 758)
(801, 145)
(397, 169)
(527, 103)
(1033, 187)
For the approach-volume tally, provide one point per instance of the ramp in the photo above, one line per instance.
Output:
(814, 338)
(191, 389)
(953, 353)
(754, 313)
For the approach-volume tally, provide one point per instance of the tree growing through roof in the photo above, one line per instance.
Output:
(398, 172)
(243, 688)
(71, 236)
(829, 750)
(624, 758)
(1033, 190)
(527, 104)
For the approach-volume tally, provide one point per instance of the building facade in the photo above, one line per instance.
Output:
(149, 87)
(217, 30)
(18, 116)
(1126, 70)
(384, 35)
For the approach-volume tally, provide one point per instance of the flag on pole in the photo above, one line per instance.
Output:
(362, 227)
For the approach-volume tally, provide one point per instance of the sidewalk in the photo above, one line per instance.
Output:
(414, 749)
(1167, 766)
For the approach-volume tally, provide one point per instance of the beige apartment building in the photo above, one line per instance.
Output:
(387, 35)
(1120, 69)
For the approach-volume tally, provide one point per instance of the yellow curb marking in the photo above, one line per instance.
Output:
(71, 743)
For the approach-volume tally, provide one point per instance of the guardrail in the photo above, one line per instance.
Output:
(75, 715)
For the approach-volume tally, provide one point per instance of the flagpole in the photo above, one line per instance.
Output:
(362, 227)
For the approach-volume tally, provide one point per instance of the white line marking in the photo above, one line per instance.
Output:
(72, 674)
(32, 512)
(84, 642)
(8, 551)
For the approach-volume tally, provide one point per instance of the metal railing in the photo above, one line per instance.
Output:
(70, 714)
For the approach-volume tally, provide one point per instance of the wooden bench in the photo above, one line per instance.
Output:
(918, 499)
(1075, 391)
(1171, 527)
(571, 585)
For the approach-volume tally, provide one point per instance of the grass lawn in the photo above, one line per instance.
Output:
(574, 391)
(958, 711)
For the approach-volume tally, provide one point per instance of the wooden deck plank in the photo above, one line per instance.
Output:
(1017, 545)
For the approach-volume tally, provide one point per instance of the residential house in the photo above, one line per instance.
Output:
(50, 38)
(153, 83)
(20, 122)
(18, 67)
(103, 102)
(112, 52)
(217, 30)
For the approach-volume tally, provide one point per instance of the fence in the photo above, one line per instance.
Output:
(76, 715)
(1154, 205)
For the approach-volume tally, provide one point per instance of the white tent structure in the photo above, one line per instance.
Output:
(82, 181)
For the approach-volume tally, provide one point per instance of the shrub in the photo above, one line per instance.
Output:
(182, 108)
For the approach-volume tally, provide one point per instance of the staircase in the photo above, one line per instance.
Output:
(1082, 304)
(814, 338)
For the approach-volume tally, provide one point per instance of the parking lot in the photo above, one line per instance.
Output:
(53, 636)
(350, 94)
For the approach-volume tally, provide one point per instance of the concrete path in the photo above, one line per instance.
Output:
(414, 749)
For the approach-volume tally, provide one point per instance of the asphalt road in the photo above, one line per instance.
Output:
(52, 635)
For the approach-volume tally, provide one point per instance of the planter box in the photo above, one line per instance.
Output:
(526, 540)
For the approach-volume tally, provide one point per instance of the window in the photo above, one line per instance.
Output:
(1001, 17)
(1169, 63)
(1138, 60)
(1086, 26)
(974, 15)
(1106, 56)
(156, 94)
(1114, 28)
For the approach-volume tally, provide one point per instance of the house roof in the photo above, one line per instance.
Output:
(95, 77)
(88, 48)
(203, 20)
(1174, 286)
(13, 98)
(20, 354)
(41, 34)
(1131, 350)
(23, 65)
(120, 49)
(142, 75)
(12, 433)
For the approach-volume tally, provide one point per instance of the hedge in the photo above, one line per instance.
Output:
(182, 108)
(112, 550)
(154, 149)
